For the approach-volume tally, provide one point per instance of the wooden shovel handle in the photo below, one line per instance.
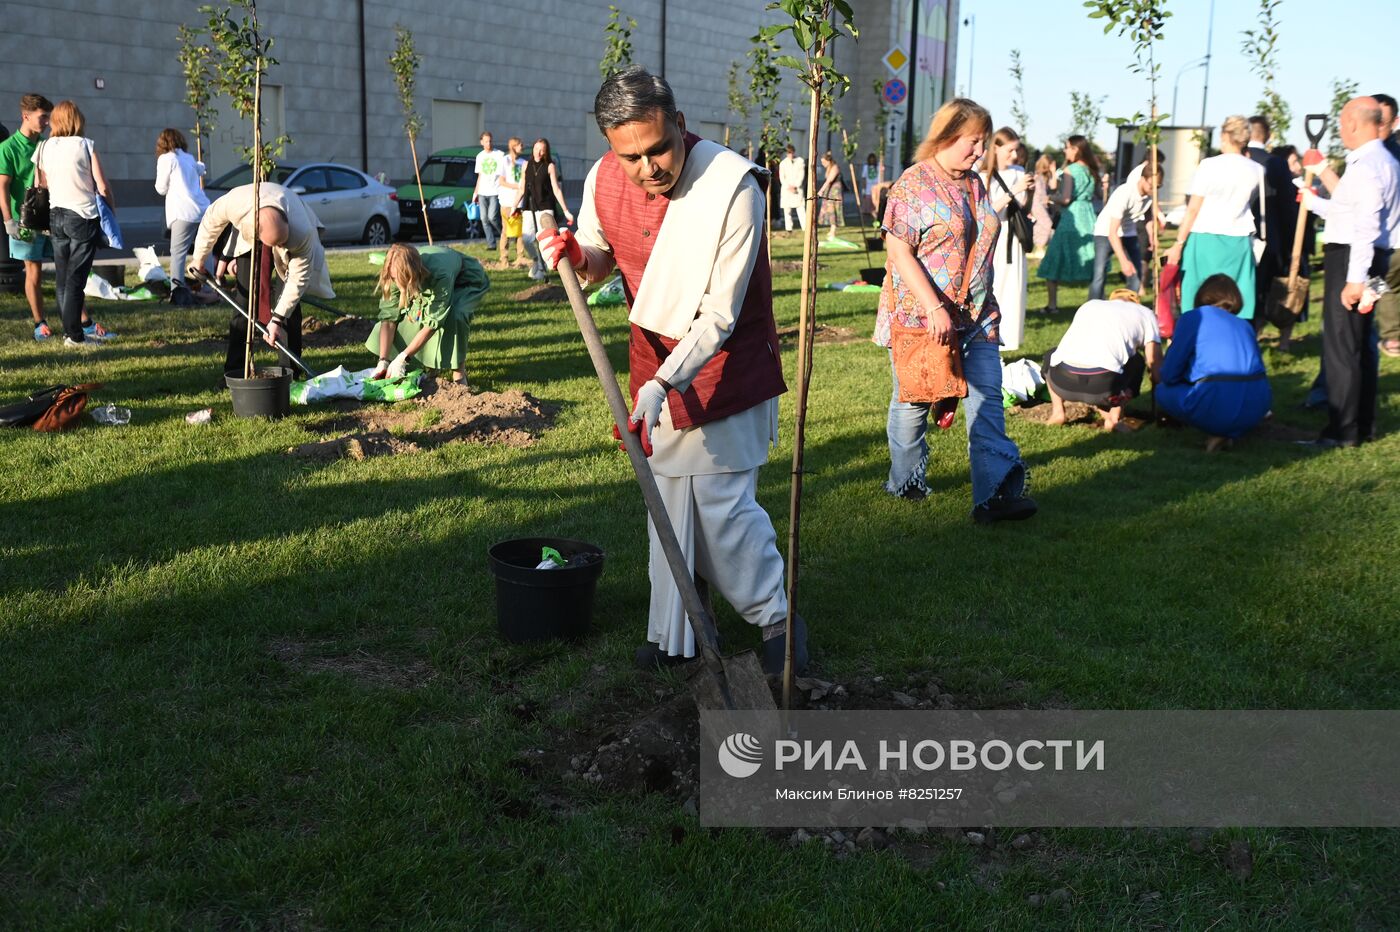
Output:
(680, 570)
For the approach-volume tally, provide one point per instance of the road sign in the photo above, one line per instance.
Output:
(894, 91)
(895, 59)
(895, 125)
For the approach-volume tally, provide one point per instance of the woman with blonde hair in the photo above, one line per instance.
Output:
(177, 180)
(68, 165)
(831, 193)
(1045, 169)
(428, 297)
(1216, 234)
(1070, 256)
(941, 230)
(1006, 181)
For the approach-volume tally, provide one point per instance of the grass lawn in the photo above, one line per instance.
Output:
(241, 690)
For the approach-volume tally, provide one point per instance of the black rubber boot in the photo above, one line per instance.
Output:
(652, 658)
(775, 649)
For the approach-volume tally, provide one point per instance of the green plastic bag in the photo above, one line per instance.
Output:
(609, 295)
(400, 389)
(376, 258)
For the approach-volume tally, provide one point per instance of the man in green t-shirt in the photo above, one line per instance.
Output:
(16, 175)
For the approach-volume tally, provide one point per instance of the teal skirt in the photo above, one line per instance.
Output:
(1070, 255)
(1208, 254)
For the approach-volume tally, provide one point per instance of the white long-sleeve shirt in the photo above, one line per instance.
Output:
(1364, 210)
(177, 180)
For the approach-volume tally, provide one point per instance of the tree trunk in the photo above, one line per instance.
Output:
(254, 266)
(806, 328)
(1155, 279)
(199, 148)
(422, 201)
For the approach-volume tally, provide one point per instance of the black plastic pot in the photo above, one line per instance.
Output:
(270, 396)
(875, 243)
(536, 605)
(875, 276)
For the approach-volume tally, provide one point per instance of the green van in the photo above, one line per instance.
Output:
(449, 181)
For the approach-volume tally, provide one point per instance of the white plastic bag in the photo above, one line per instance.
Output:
(337, 383)
(1021, 378)
(98, 287)
(150, 270)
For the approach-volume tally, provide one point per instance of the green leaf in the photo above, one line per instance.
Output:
(787, 61)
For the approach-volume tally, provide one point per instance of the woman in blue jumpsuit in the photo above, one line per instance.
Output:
(1213, 377)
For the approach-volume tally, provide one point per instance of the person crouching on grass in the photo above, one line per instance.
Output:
(428, 298)
(1213, 377)
(1099, 361)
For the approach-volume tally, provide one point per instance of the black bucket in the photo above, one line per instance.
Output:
(875, 243)
(270, 396)
(536, 605)
(874, 276)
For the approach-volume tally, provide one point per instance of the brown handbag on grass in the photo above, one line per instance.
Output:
(68, 404)
(928, 371)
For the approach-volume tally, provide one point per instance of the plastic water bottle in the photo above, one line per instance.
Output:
(111, 415)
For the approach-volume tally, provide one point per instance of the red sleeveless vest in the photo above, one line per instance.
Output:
(747, 369)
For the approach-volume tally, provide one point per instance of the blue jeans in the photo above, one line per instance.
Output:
(490, 218)
(75, 241)
(1103, 255)
(996, 463)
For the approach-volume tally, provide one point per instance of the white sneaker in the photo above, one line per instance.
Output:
(85, 345)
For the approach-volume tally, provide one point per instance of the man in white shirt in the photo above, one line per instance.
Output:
(1259, 133)
(1147, 227)
(1115, 231)
(489, 163)
(290, 236)
(792, 175)
(1100, 360)
(1363, 222)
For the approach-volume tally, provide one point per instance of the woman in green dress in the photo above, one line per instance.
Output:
(1070, 255)
(428, 297)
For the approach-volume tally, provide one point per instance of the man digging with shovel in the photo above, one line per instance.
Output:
(682, 220)
(291, 240)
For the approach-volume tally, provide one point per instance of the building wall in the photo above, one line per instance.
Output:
(531, 68)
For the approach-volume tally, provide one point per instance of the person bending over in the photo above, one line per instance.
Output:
(1100, 360)
(428, 297)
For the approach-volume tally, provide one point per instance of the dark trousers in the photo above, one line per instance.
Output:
(1101, 388)
(75, 241)
(269, 292)
(1348, 352)
(1103, 256)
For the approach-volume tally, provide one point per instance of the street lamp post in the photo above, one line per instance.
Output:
(1176, 85)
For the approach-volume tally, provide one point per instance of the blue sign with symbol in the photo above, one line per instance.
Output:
(895, 91)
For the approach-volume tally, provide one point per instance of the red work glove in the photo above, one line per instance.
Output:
(1312, 159)
(634, 427)
(556, 244)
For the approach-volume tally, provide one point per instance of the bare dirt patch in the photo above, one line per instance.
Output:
(541, 291)
(445, 412)
(790, 265)
(394, 672)
(824, 334)
(344, 331)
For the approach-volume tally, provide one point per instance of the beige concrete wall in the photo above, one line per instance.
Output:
(532, 66)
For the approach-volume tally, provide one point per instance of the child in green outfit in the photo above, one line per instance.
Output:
(428, 298)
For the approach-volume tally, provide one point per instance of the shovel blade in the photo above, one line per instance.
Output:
(748, 686)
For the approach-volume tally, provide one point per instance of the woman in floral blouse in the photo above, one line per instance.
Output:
(428, 298)
(937, 212)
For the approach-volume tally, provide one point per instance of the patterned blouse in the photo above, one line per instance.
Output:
(932, 214)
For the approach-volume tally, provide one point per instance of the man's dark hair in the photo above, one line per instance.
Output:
(1385, 100)
(631, 95)
(1220, 291)
(1263, 121)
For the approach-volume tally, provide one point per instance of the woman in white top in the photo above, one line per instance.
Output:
(68, 164)
(1009, 282)
(177, 180)
(1216, 235)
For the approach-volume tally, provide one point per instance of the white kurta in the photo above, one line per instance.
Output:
(1009, 281)
(708, 474)
(792, 175)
